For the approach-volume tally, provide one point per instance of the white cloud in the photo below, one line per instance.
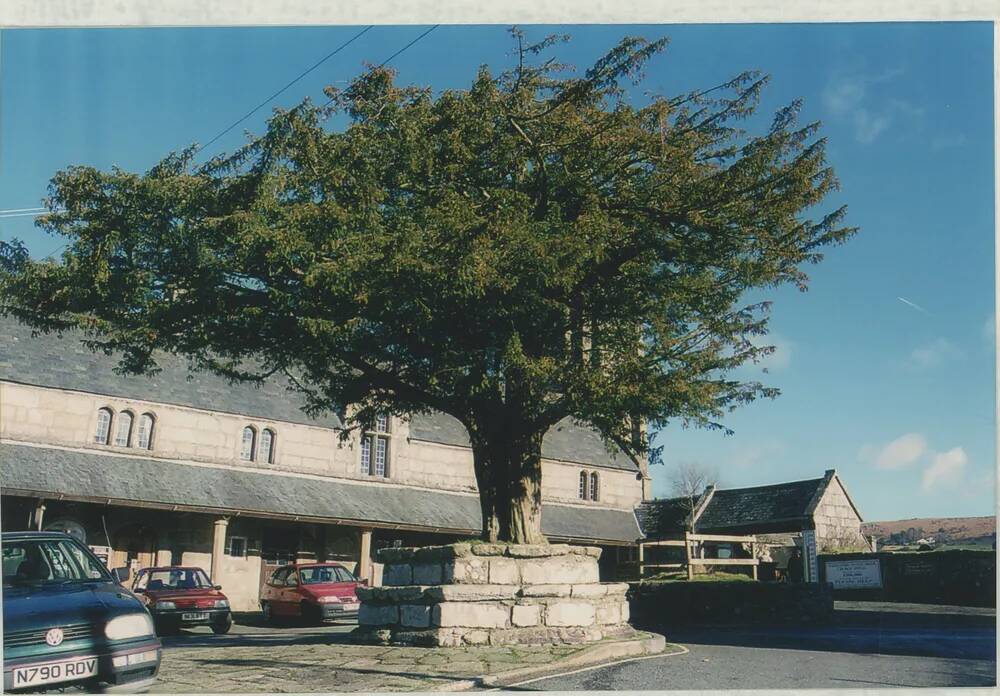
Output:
(755, 455)
(897, 454)
(946, 468)
(777, 360)
(848, 97)
(934, 353)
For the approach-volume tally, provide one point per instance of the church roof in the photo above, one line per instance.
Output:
(64, 362)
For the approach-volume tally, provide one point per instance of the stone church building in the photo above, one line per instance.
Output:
(185, 468)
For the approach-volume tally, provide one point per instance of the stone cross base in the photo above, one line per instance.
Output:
(496, 594)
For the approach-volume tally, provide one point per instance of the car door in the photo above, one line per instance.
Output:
(290, 595)
(139, 585)
(273, 588)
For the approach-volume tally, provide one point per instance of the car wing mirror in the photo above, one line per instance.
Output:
(218, 587)
(120, 574)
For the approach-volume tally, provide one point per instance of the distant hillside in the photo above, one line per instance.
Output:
(944, 530)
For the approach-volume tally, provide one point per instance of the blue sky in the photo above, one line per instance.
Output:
(886, 365)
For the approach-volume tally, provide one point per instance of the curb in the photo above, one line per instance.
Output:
(646, 644)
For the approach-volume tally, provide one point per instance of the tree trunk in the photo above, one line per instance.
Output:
(508, 465)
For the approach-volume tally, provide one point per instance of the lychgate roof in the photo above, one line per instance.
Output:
(774, 507)
(760, 505)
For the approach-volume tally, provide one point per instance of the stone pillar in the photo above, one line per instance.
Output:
(365, 556)
(496, 594)
(218, 548)
(39, 514)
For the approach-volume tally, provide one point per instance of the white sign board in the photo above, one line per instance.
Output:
(856, 574)
(809, 555)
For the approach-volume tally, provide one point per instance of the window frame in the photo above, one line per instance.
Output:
(594, 482)
(267, 457)
(110, 412)
(370, 441)
(149, 434)
(583, 485)
(229, 546)
(252, 455)
(124, 413)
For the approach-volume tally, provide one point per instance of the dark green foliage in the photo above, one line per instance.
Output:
(533, 248)
(13, 256)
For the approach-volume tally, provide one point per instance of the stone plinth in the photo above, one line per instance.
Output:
(496, 594)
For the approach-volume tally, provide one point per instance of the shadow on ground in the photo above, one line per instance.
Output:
(919, 631)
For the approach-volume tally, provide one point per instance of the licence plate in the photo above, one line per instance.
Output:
(194, 616)
(67, 670)
(351, 607)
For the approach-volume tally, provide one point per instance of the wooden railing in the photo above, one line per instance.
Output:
(694, 552)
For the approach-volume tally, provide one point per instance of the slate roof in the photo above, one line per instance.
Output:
(164, 483)
(757, 506)
(761, 507)
(564, 441)
(50, 360)
(662, 517)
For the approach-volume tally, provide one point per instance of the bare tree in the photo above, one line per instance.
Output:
(688, 480)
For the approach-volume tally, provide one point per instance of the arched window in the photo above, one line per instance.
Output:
(375, 448)
(267, 446)
(583, 485)
(145, 436)
(247, 446)
(103, 431)
(123, 433)
(595, 486)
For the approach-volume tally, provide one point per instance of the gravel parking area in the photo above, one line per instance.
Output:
(258, 658)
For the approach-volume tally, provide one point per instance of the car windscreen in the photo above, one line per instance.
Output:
(322, 574)
(34, 561)
(174, 579)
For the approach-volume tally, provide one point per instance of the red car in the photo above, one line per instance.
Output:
(180, 597)
(314, 592)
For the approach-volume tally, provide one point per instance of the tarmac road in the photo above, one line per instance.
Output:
(869, 647)
(736, 667)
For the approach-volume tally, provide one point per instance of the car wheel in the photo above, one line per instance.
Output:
(311, 614)
(221, 627)
(165, 627)
(265, 609)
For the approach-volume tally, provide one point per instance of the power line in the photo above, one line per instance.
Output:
(324, 59)
(394, 55)
(4, 216)
(397, 53)
(254, 110)
(19, 210)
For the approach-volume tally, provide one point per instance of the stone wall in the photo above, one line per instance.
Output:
(660, 605)
(497, 594)
(838, 525)
(963, 577)
(67, 418)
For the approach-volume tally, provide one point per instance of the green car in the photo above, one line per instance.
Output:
(68, 622)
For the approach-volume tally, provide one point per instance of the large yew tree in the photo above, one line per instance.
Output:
(534, 248)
